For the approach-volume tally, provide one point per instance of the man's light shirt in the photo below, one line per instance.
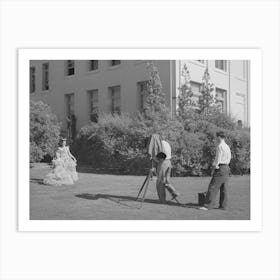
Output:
(223, 154)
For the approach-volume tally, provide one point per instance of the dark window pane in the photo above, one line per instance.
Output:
(115, 62)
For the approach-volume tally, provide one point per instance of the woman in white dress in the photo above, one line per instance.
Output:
(64, 168)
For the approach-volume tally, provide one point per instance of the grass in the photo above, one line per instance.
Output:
(99, 196)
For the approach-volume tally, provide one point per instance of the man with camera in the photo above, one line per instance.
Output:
(220, 175)
(160, 152)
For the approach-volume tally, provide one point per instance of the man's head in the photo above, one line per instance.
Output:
(220, 136)
(161, 156)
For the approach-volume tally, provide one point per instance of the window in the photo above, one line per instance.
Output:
(70, 67)
(69, 104)
(92, 65)
(71, 119)
(195, 88)
(221, 64)
(115, 94)
(45, 76)
(239, 123)
(221, 99)
(32, 79)
(115, 62)
(142, 91)
(93, 105)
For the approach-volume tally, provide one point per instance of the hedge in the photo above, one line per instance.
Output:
(117, 142)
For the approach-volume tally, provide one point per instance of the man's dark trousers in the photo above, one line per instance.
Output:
(219, 182)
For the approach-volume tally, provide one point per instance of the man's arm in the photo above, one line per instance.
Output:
(217, 158)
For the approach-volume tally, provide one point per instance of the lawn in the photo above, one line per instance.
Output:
(99, 196)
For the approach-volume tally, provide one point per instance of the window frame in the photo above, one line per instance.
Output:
(89, 68)
(113, 64)
(196, 93)
(66, 96)
(67, 68)
(93, 110)
(32, 79)
(113, 98)
(46, 77)
(223, 99)
(225, 69)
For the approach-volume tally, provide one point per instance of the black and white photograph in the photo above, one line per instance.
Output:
(139, 139)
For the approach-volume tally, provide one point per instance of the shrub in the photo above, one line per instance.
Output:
(117, 142)
(221, 120)
(213, 115)
(44, 131)
(113, 142)
(187, 155)
(240, 148)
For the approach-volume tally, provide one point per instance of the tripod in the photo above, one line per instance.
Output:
(145, 186)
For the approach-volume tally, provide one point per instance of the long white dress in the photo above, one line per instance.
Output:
(64, 169)
(69, 163)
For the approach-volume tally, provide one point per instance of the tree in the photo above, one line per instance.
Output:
(185, 99)
(206, 99)
(155, 100)
(44, 131)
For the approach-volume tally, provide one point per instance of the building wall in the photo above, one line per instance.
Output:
(126, 75)
(235, 81)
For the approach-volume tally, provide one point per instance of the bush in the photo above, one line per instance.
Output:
(117, 142)
(192, 119)
(113, 142)
(240, 148)
(221, 120)
(44, 131)
(187, 155)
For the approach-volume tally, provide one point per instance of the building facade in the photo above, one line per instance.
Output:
(85, 88)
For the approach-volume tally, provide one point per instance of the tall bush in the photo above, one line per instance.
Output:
(240, 147)
(185, 98)
(116, 141)
(44, 131)
(206, 98)
(155, 101)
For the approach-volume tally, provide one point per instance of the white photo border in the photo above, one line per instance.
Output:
(255, 222)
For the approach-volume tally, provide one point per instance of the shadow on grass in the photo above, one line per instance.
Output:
(120, 199)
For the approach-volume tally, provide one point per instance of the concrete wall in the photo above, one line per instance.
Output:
(126, 75)
(235, 81)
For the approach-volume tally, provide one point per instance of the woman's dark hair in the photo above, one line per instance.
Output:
(61, 140)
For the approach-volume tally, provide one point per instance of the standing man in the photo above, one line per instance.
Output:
(220, 175)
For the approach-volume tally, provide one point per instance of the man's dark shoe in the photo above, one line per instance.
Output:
(222, 208)
(174, 195)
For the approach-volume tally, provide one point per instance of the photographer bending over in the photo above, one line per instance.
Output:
(163, 171)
